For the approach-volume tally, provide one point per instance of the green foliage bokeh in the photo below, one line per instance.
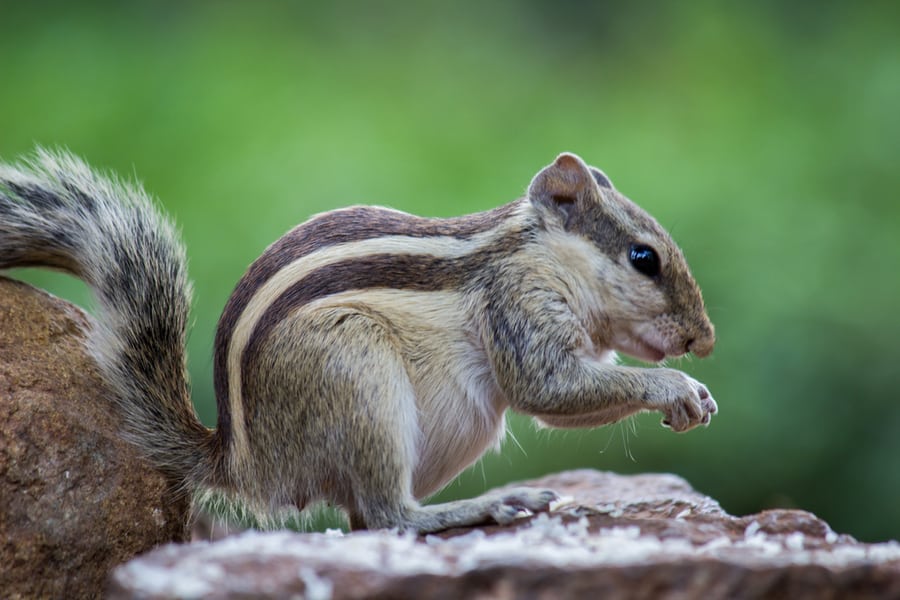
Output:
(765, 136)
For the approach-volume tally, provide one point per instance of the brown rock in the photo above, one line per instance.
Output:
(644, 536)
(74, 500)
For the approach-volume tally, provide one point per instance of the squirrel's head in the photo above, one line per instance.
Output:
(633, 279)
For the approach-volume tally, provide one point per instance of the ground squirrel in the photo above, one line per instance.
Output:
(369, 355)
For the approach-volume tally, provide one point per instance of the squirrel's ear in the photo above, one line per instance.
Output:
(601, 178)
(560, 187)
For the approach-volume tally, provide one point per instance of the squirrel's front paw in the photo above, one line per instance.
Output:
(687, 402)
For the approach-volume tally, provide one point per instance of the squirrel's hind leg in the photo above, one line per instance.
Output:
(500, 507)
(353, 423)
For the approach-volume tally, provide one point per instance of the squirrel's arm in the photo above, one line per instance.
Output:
(548, 367)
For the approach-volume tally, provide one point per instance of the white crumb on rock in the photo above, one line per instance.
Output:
(316, 587)
(794, 541)
(193, 570)
(751, 529)
(613, 510)
(683, 514)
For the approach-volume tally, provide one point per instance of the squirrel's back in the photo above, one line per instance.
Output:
(345, 256)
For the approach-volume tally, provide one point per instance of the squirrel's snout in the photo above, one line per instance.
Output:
(703, 346)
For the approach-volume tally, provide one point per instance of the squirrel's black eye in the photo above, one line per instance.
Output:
(644, 259)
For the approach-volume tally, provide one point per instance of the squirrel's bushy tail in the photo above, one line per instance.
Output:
(56, 212)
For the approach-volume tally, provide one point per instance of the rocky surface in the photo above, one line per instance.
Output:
(74, 500)
(646, 536)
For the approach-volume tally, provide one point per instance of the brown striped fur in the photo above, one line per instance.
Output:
(339, 226)
(417, 273)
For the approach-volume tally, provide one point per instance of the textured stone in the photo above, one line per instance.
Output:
(75, 501)
(644, 536)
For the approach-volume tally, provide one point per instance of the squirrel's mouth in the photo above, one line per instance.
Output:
(640, 348)
(648, 344)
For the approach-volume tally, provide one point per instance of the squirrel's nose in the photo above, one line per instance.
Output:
(702, 346)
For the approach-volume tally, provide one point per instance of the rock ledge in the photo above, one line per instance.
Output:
(645, 536)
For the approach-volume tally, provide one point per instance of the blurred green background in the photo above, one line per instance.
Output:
(765, 136)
